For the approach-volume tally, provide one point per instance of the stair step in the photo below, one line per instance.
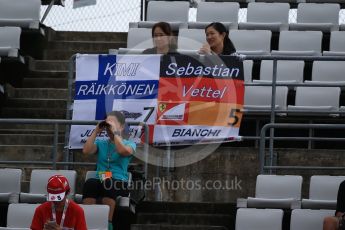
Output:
(90, 36)
(84, 46)
(35, 103)
(24, 139)
(63, 74)
(51, 65)
(41, 93)
(45, 83)
(29, 131)
(27, 152)
(174, 227)
(184, 219)
(29, 127)
(35, 113)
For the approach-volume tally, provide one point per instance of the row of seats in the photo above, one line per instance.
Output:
(284, 191)
(292, 2)
(272, 219)
(19, 216)
(263, 16)
(249, 42)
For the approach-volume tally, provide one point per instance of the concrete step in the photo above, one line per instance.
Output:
(30, 131)
(187, 207)
(84, 46)
(174, 227)
(24, 139)
(56, 65)
(48, 74)
(35, 103)
(27, 152)
(8, 126)
(90, 36)
(67, 54)
(45, 83)
(41, 93)
(34, 113)
(184, 219)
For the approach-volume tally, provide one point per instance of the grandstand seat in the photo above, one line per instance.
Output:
(303, 43)
(10, 185)
(139, 38)
(267, 16)
(173, 12)
(336, 44)
(191, 39)
(96, 216)
(275, 191)
(247, 70)
(207, 12)
(251, 42)
(323, 192)
(10, 41)
(328, 72)
(38, 184)
(19, 216)
(259, 98)
(307, 219)
(22, 13)
(342, 27)
(259, 219)
(314, 99)
(293, 3)
(319, 17)
(242, 2)
(288, 72)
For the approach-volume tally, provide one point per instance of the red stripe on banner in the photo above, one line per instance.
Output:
(201, 89)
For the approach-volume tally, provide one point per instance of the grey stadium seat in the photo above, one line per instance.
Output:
(259, 98)
(22, 13)
(173, 12)
(207, 12)
(38, 184)
(292, 2)
(307, 219)
(19, 216)
(251, 42)
(267, 16)
(259, 219)
(342, 27)
(303, 43)
(323, 192)
(191, 39)
(139, 38)
(247, 70)
(288, 72)
(336, 44)
(315, 16)
(96, 216)
(314, 99)
(10, 41)
(10, 185)
(328, 72)
(275, 191)
(239, 1)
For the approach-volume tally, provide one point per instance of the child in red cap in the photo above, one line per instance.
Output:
(59, 212)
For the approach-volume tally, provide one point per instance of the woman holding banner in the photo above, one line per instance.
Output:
(114, 155)
(218, 41)
(163, 39)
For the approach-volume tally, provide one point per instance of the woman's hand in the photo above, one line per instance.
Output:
(98, 130)
(205, 49)
(113, 127)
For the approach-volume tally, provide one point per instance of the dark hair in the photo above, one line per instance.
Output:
(228, 48)
(122, 120)
(167, 30)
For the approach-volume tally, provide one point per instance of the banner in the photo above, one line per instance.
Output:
(184, 100)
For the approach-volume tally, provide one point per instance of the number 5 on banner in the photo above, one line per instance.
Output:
(235, 116)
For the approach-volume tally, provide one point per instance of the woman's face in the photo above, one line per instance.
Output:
(160, 39)
(113, 119)
(214, 38)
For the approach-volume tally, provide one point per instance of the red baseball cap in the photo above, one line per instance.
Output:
(57, 187)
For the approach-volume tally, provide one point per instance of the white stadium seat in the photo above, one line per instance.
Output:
(10, 41)
(10, 180)
(336, 44)
(259, 219)
(307, 219)
(251, 42)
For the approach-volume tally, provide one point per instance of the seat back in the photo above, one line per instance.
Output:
(9, 41)
(96, 216)
(39, 179)
(337, 42)
(278, 186)
(286, 70)
(247, 70)
(10, 180)
(318, 96)
(169, 11)
(261, 96)
(191, 39)
(217, 12)
(318, 13)
(259, 219)
(300, 41)
(328, 71)
(324, 187)
(20, 215)
(139, 38)
(251, 40)
(268, 12)
(307, 219)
